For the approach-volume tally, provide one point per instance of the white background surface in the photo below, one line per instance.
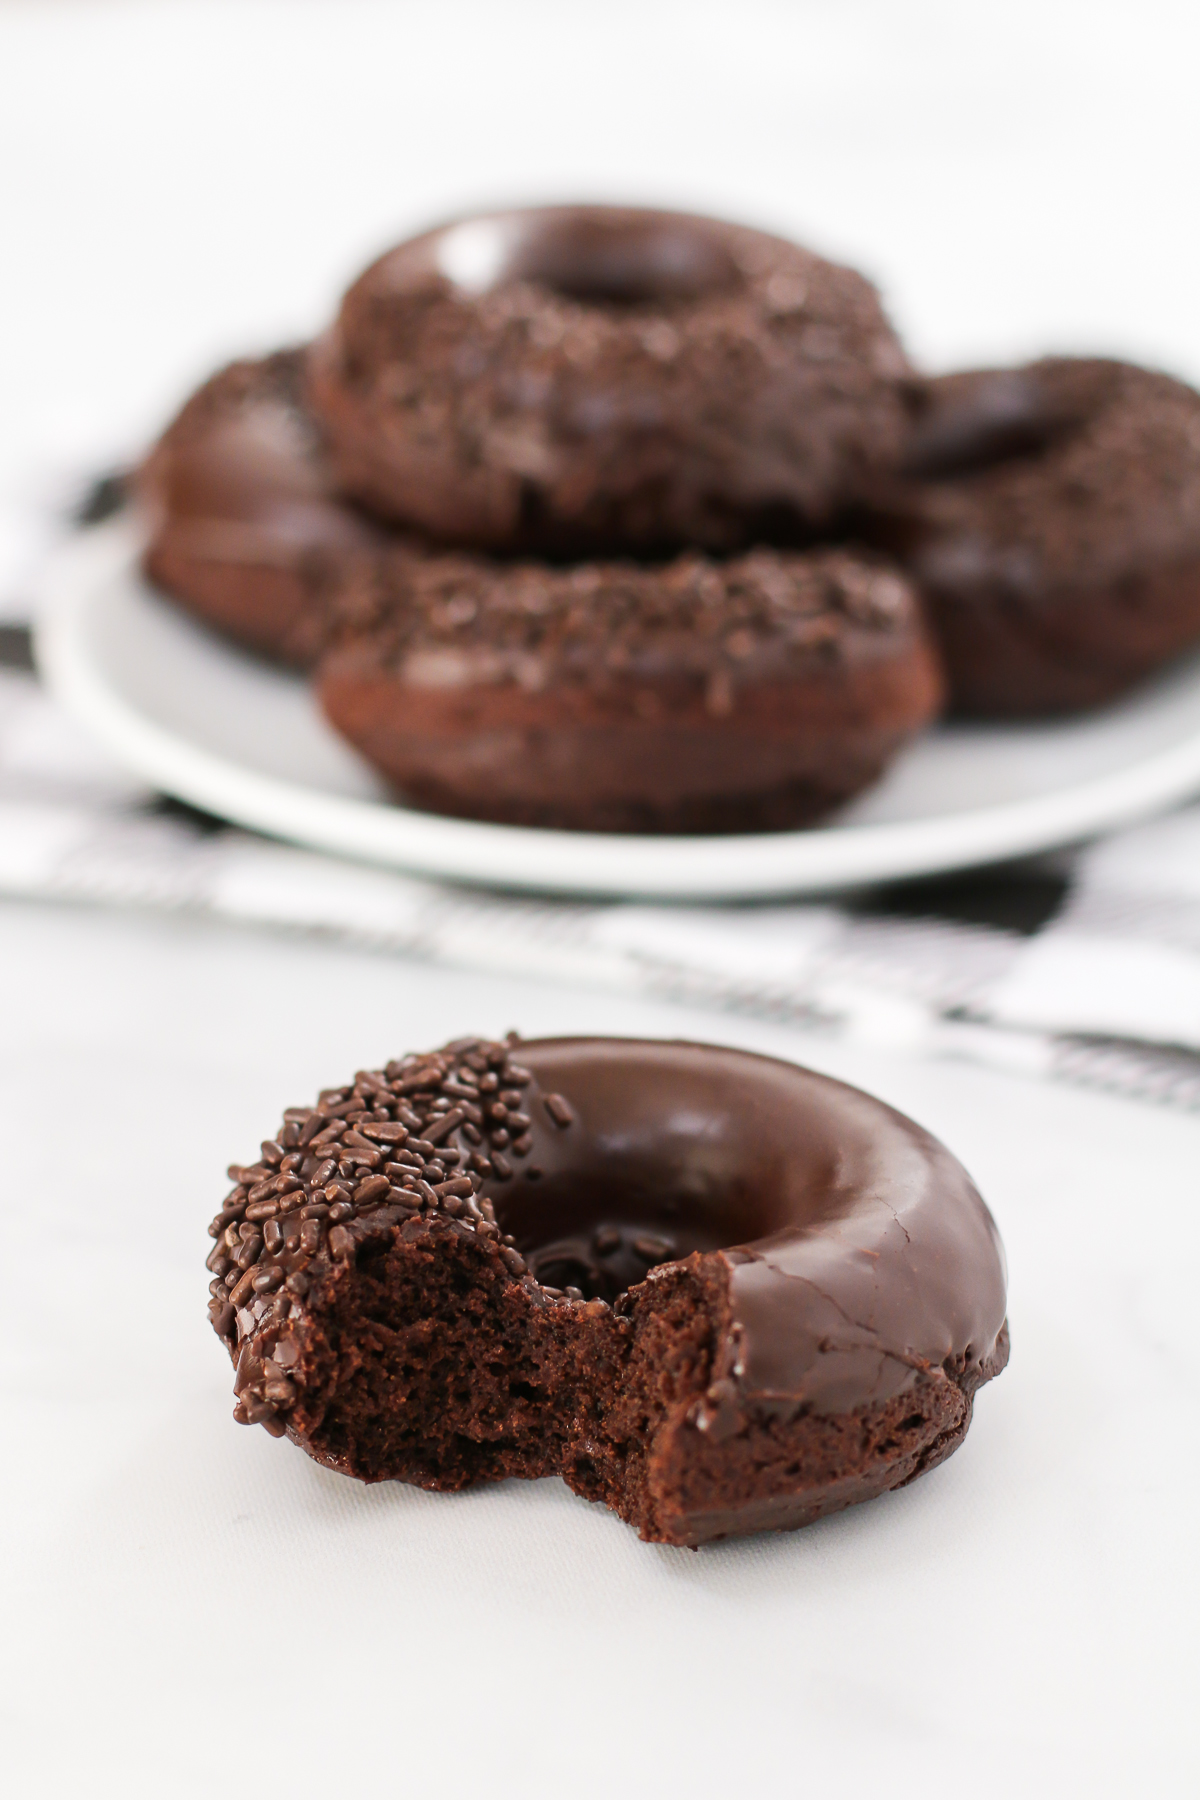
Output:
(186, 180)
(188, 1608)
(192, 1607)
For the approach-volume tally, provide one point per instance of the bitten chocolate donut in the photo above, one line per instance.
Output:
(246, 531)
(751, 695)
(717, 1292)
(597, 380)
(1055, 530)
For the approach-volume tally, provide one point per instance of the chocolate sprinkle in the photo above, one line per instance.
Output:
(559, 1110)
(310, 1210)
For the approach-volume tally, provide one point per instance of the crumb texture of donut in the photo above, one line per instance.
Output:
(1052, 522)
(599, 380)
(717, 1293)
(695, 696)
(245, 530)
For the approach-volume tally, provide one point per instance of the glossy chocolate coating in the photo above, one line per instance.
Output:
(856, 1251)
(246, 530)
(584, 381)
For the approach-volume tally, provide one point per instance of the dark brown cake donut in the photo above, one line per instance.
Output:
(751, 695)
(717, 1292)
(1056, 530)
(597, 380)
(246, 530)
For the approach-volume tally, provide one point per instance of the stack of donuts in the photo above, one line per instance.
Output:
(616, 520)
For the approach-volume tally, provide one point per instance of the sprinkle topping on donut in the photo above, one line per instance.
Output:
(605, 617)
(418, 1136)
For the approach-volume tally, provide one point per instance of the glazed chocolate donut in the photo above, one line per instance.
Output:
(598, 380)
(719, 1293)
(752, 695)
(1055, 530)
(246, 531)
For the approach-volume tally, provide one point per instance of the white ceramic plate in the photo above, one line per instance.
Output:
(212, 726)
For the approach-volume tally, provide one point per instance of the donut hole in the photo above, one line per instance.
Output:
(595, 258)
(998, 418)
(624, 262)
(602, 1236)
(670, 1152)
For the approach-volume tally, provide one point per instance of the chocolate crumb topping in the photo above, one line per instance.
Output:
(454, 619)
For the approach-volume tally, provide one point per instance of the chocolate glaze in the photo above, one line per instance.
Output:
(597, 380)
(856, 1252)
(246, 530)
(1052, 520)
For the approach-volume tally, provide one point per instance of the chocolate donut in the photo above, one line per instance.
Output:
(717, 1292)
(1054, 526)
(246, 531)
(597, 380)
(752, 695)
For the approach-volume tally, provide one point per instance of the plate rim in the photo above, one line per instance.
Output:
(761, 866)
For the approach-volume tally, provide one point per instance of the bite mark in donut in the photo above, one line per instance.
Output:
(717, 1292)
